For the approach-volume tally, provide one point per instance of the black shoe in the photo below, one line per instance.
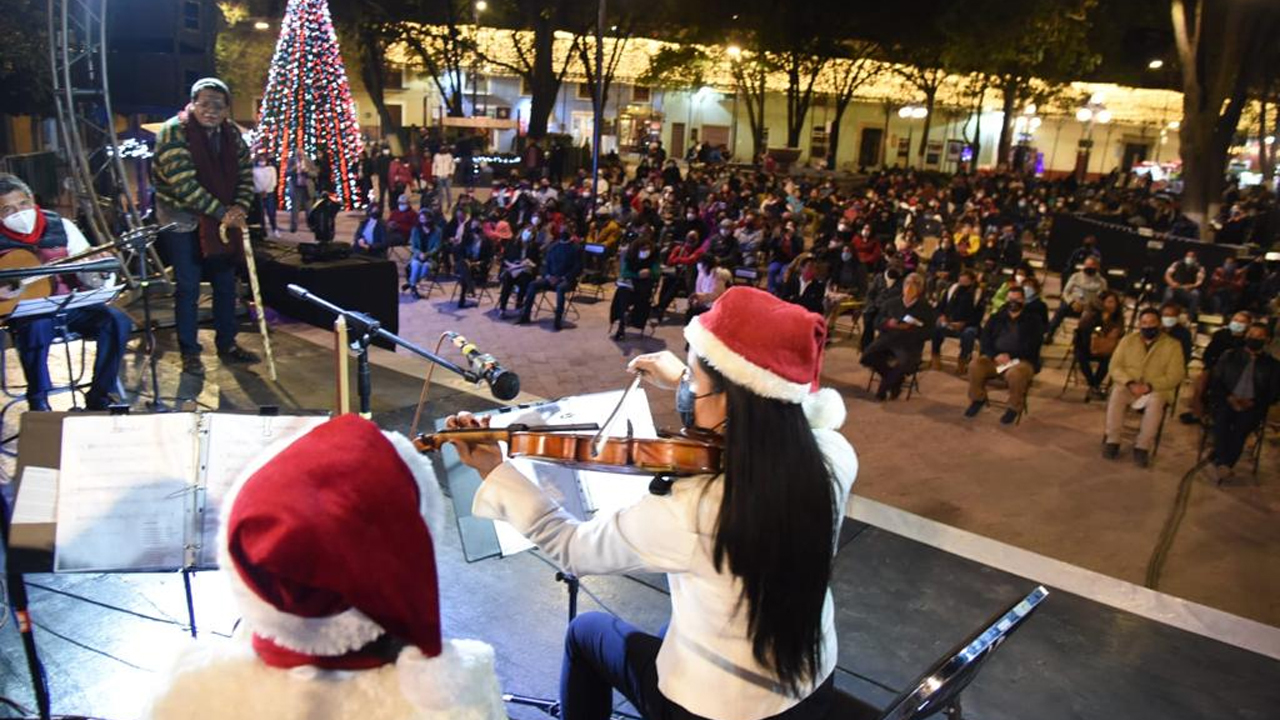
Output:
(1141, 458)
(462, 305)
(523, 320)
(404, 287)
(974, 408)
(620, 335)
(882, 394)
(1048, 339)
(895, 392)
(237, 354)
(93, 401)
(1111, 451)
(559, 324)
(1009, 416)
(414, 292)
(40, 404)
(1189, 418)
(193, 365)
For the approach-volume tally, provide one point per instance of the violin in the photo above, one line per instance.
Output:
(671, 456)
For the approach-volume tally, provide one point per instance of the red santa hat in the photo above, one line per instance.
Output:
(769, 346)
(328, 548)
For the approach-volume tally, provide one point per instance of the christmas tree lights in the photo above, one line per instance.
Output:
(307, 105)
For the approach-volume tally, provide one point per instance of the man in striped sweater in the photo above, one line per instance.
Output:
(203, 178)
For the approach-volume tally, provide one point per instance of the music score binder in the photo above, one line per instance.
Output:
(145, 492)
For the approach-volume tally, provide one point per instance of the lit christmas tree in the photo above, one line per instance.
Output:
(308, 102)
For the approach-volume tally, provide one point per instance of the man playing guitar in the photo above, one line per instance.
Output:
(25, 228)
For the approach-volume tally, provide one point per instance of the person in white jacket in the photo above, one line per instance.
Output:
(747, 552)
(443, 166)
(265, 180)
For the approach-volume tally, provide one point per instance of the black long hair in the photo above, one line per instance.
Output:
(776, 528)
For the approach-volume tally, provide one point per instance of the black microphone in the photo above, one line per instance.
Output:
(503, 383)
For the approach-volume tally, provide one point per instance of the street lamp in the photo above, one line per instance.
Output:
(262, 25)
(1095, 111)
(735, 52)
(1155, 64)
(912, 112)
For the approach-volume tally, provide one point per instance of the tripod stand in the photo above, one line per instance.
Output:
(548, 705)
(140, 241)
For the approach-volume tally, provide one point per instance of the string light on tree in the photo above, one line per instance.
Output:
(307, 105)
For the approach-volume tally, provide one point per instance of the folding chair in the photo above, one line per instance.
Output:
(596, 277)
(1169, 409)
(746, 276)
(1253, 452)
(17, 392)
(912, 380)
(547, 302)
(1000, 382)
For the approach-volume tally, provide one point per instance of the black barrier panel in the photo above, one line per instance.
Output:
(369, 285)
(1124, 248)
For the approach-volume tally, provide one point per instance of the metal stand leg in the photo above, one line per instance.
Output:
(18, 601)
(547, 705)
(191, 605)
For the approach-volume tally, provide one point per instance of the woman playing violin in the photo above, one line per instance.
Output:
(747, 552)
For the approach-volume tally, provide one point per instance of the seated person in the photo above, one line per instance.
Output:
(1096, 339)
(424, 243)
(638, 271)
(959, 316)
(1171, 321)
(1146, 368)
(345, 630)
(1244, 384)
(560, 270)
(1019, 278)
(1183, 281)
(710, 284)
(496, 229)
(1009, 346)
(681, 266)
(371, 234)
(25, 226)
(724, 246)
(944, 266)
(472, 258)
(1223, 339)
(604, 231)
(1088, 248)
(847, 275)
(803, 287)
(520, 260)
(905, 324)
(968, 242)
(1078, 295)
(1035, 304)
(400, 223)
(1226, 288)
(885, 286)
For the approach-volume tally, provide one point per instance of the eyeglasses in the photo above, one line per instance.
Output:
(214, 106)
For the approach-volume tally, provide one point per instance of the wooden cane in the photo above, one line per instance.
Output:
(257, 304)
(342, 362)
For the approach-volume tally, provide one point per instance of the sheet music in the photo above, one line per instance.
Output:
(125, 491)
(76, 299)
(232, 442)
(37, 496)
(580, 492)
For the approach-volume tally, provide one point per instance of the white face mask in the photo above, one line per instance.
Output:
(643, 254)
(1168, 321)
(22, 222)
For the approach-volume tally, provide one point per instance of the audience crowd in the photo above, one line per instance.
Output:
(914, 258)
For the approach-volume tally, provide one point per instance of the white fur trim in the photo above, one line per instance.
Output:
(460, 682)
(759, 380)
(825, 409)
(334, 635)
(431, 506)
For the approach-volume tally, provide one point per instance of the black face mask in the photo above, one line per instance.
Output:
(1090, 271)
(685, 402)
(1014, 305)
(1150, 333)
(1255, 344)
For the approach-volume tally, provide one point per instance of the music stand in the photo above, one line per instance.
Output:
(939, 688)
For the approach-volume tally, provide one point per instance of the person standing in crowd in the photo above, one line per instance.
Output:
(959, 316)
(26, 227)
(736, 647)
(203, 178)
(443, 167)
(1145, 369)
(1010, 346)
(382, 164)
(264, 185)
(401, 176)
(560, 272)
(299, 176)
(1183, 281)
(1079, 295)
(1245, 383)
(520, 260)
(367, 170)
(638, 272)
(1222, 340)
(1096, 340)
(906, 322)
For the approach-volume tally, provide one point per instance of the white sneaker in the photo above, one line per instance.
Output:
(275, 232)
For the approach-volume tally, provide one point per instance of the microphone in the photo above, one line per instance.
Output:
(503, 383)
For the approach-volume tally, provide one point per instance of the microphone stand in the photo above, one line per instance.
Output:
(138, 240)
(366, 328)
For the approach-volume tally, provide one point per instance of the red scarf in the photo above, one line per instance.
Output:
(218, 175)
(30, 238)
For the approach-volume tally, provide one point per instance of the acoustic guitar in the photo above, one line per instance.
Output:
(30, 288)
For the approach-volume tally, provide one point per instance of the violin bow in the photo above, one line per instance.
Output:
(597, 442)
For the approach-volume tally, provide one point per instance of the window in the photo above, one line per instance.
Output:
(393, 77)
(191, 15)
(641, 94)
(525, 88)
(586, 91)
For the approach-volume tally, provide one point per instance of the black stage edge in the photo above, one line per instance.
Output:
(368, 285)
